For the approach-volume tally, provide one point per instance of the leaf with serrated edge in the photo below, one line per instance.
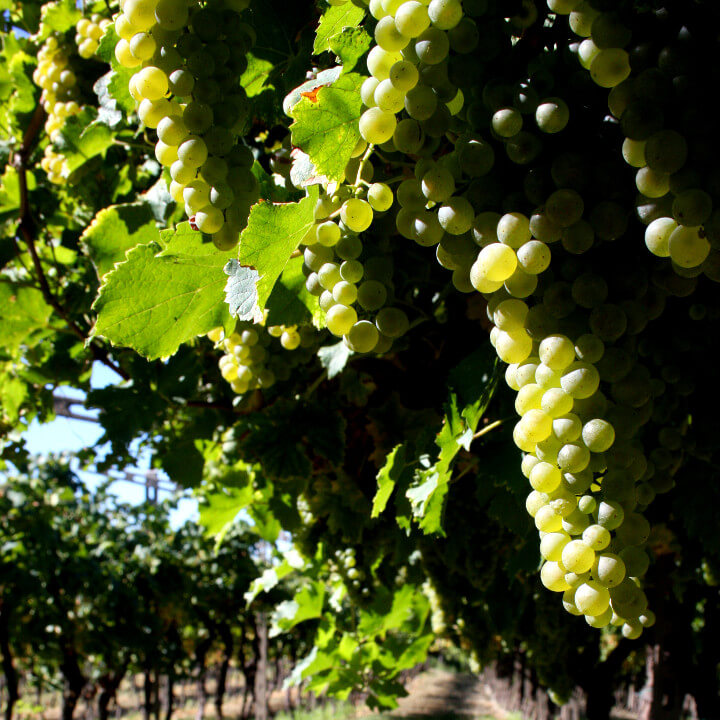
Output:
(164, 294)
(334, 19)
(334, 358)
(328, 130)
(116, 229)
(274, 231)
(350, 45)
(387, 477)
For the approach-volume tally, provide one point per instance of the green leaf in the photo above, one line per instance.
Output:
(82, 139)
(306, 605)
(164, 294)
(334, 358)
(327, 129)
(334, 19)
(291, 562)
(388, 611)
(219, 510)
(290, 303)
(13, 393)
(324, 77)
(24, 310)
(387, 477)
(115, 230)
(273, 233)
(256, 75)
(59, 17)
(350, 45)
(474, 380)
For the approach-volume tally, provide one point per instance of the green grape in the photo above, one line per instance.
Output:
(372, 295)
(513, 229)
(193, 152)
(692, 207)
(476, 158)
(564, 207)
(344, 293)
(404, 75)
(352, 271)
(356, 214)
(598, 435)
(388, 37)
(609, 67)
(329, 275)
(380, 197)
(209, 220)
(438, 184)
(363, 336)
(367, 91)
(507, 122)
(552, 115)
(688, 246)
(377, 126)
(445, 14)
(392, 322)
(666, 151)
(408, 137)
(340, 319)
(651, 183)
(412, 18)
(533, 257)
(171, 130)
(432, 46)
(420, 102)
(456, 215)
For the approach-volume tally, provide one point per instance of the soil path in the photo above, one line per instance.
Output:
(442, 694)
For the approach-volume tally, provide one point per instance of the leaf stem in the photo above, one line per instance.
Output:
(488, 428)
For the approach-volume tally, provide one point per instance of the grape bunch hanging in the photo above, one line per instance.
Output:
(521, 174)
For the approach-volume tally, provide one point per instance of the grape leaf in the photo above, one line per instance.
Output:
(328, 129)
(163, 294)
(219, 510)
(82, 139)
(387, 477)
(58, 17)
(273, 233)
(290, 303)
(334, 19)
(306, 605)
(350, 44)
(24, 310)
(324, 77)
(334, 358)
(472, 385)
(291, 562)
(115, 230)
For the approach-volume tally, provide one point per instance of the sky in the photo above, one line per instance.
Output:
(70, 435)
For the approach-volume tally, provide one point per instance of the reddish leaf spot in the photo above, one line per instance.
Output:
(312, 95)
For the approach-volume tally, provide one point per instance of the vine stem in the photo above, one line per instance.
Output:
(488, 428)
(363, 163)
(28, 231)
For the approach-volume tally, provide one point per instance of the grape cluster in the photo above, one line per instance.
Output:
(189, 59)
(570, 311)
(251, 360)
(59, 85)
(55, 165)
(657, 99)
(346, 275)
(88, 33)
